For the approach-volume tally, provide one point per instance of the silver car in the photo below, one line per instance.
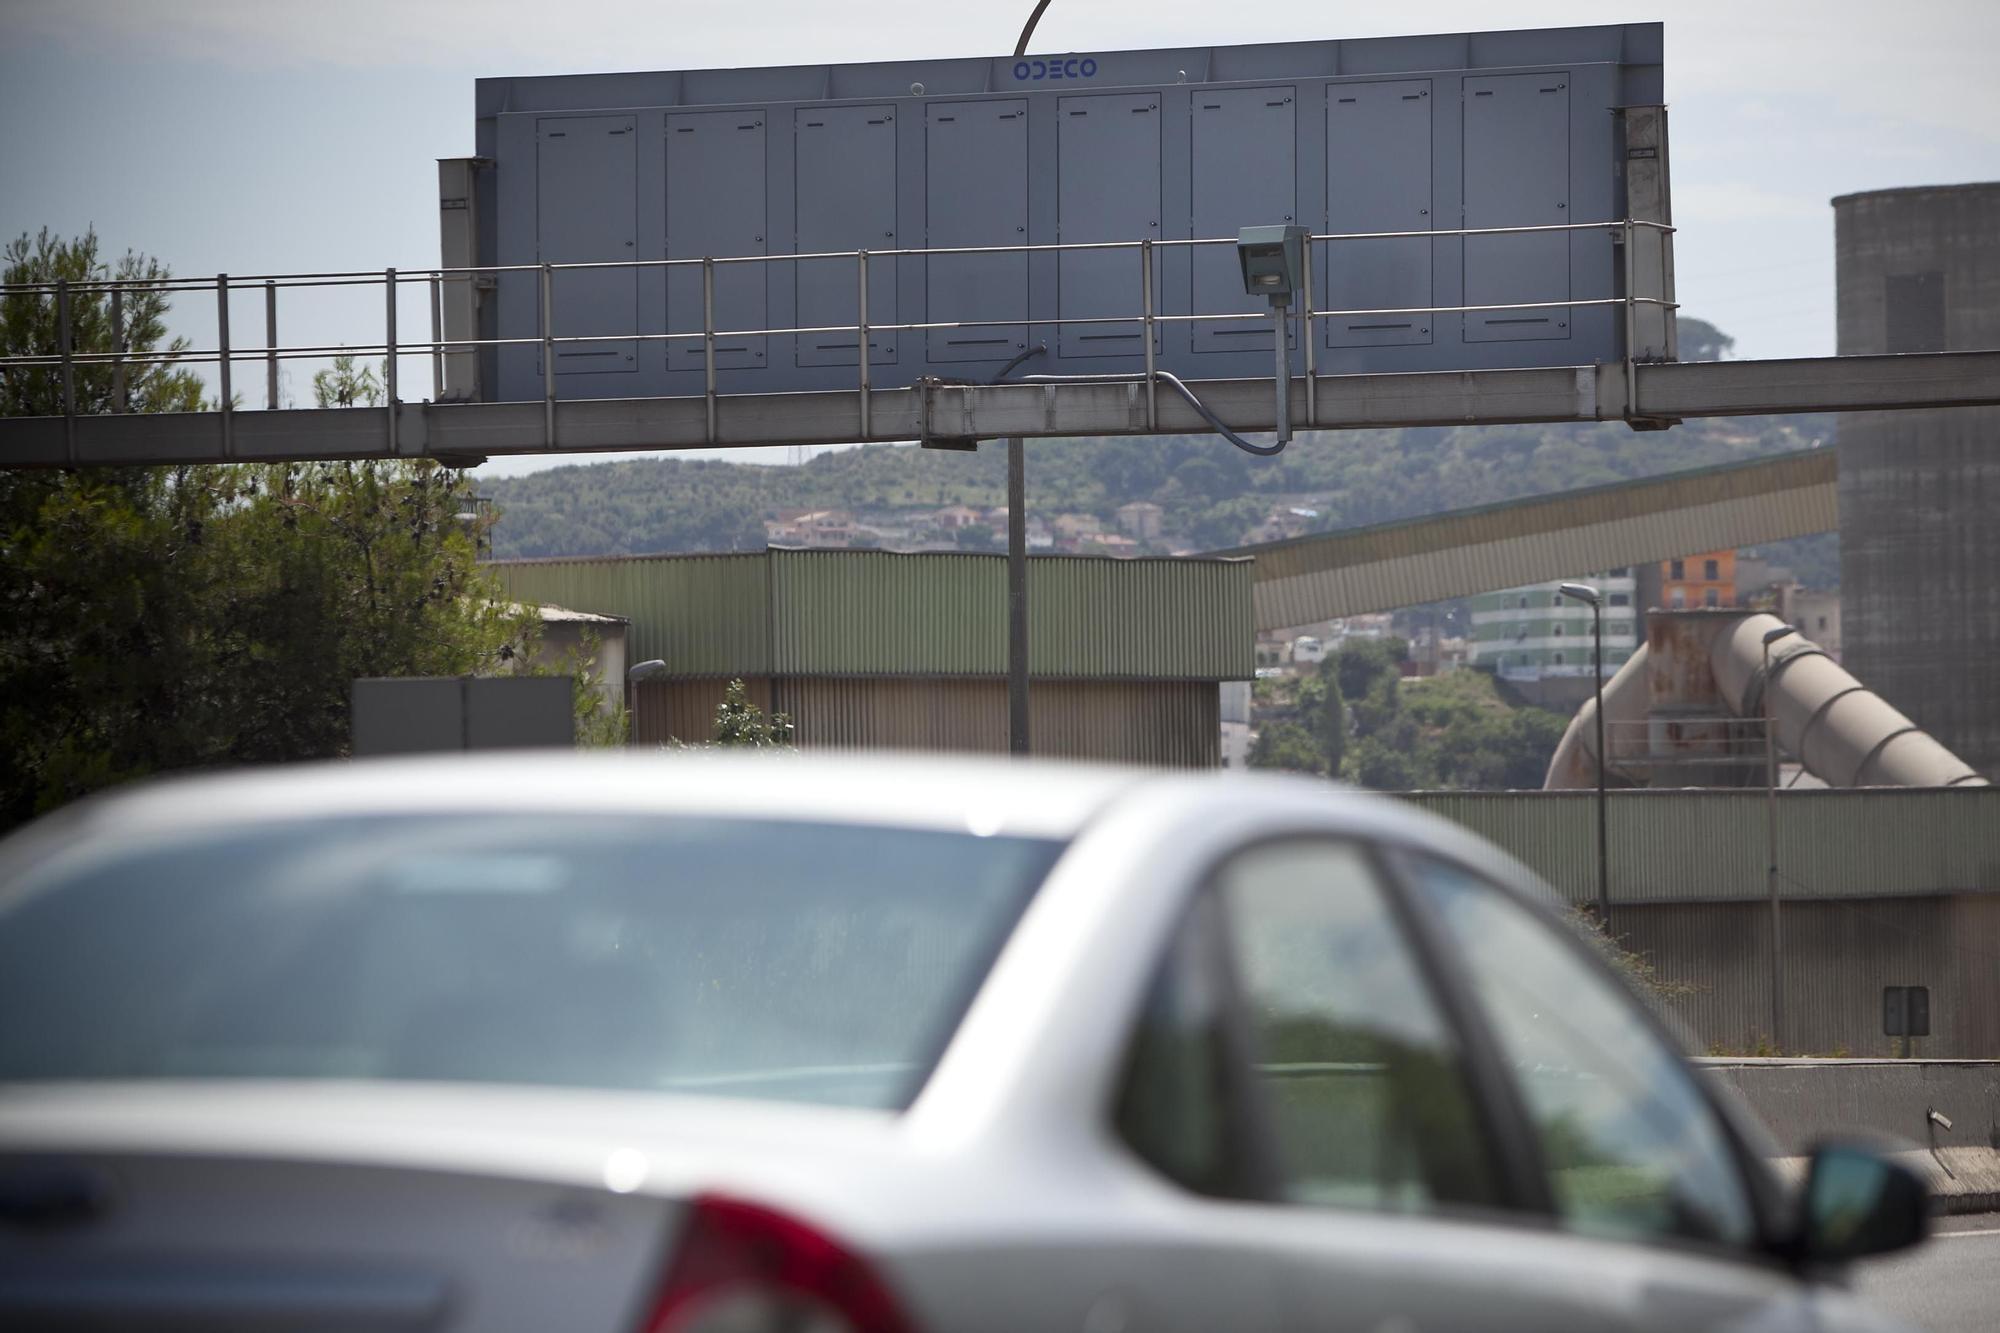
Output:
(703, 1043)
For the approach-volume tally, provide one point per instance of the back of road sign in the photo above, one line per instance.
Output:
(1405, 134)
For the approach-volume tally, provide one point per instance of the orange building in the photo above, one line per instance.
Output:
(1708, 579)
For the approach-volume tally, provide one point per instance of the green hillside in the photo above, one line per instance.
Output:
(1212, 495)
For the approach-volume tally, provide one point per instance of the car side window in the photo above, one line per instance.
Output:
(1631, 1147)
(1352, 1061)
(1175, 1108)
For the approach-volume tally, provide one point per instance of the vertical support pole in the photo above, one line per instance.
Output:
(118, 403)
(1280, 328)
(1017, 598)
(548, 356)
(1649, 200)
(63, 348)
(1771, 861)
(861, 342)
(458, 262)
(708, 341)
(1146, 291)
(68, 368)
(1017, 513)
(1603, 815)
(389, 362)
(1631, 332)
(437, 338)
(222, 360)
(270, 345)
(1307, 339)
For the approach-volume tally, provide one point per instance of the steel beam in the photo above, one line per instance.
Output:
(1450, 398)
(1820, 384)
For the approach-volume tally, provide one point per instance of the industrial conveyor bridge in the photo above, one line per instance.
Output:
(1322, 577)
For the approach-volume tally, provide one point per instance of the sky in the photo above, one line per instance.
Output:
(259, 136)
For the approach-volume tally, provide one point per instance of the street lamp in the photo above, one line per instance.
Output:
(641, 672)
(1771, 843)
(1583, 592)
(1017, 539)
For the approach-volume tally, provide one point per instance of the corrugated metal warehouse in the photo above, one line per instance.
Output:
(1886, 886)
(878, 648)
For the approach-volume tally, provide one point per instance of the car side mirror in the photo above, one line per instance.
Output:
(1858, 1202)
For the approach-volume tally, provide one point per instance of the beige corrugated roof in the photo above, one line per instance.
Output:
(563, 615)
(1468, 551)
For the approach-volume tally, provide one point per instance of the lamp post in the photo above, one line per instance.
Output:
(1583, 592)
(641, 672)
(1017, 542)
(1771, 843)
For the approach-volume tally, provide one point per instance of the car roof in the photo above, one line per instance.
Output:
(985, 795)
(982, 795)
(1046, 798)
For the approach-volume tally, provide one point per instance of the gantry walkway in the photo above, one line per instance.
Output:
(471, 432)
(457, 422)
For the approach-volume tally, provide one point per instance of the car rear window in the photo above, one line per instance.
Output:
(752, 958)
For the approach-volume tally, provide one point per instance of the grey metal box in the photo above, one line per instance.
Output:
(1391, 134)
(519, 712)
(427, 714)
(399, 715)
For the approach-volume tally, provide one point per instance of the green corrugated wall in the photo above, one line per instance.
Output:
(706, 615)
(1692, 845)
(877, 613)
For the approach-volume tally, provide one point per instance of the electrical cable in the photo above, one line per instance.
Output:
(1173, 382)
(925, 383)
(956, 382)
(1008, 369)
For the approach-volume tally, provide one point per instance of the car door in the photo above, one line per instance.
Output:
(1646, 1186)
(1379, 1153)
(1333, 1101)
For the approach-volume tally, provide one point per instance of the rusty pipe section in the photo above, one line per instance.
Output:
(1844, 733)
(1626, 696)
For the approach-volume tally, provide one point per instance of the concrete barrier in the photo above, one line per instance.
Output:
(1943, 1116)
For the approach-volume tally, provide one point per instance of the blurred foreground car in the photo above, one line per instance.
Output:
(641, 1044)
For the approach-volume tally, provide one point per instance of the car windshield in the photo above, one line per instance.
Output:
(753, 958)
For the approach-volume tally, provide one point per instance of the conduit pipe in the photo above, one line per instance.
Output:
(1574, 763)
(1844, 733)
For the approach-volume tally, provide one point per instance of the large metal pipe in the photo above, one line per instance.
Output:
(1625, 697)
(1845, 734)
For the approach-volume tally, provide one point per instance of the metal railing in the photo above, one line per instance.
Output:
(225, 355)
(1704, 740)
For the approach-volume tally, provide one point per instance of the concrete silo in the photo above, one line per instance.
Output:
(1919, 271)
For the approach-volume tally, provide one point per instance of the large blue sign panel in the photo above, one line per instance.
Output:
(1410, 134)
